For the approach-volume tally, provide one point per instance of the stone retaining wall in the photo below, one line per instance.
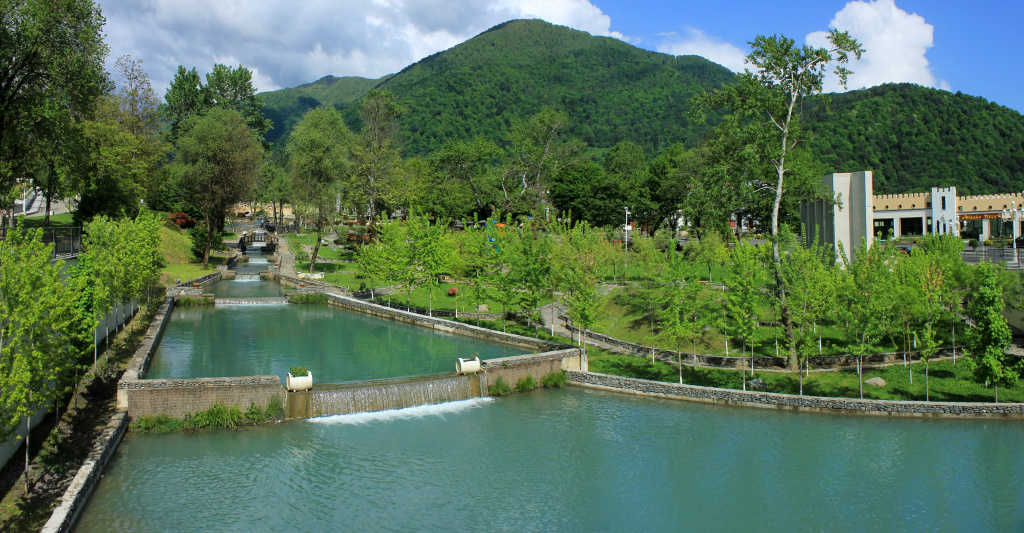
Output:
(178, 397)
(538, 365)
(77, 494)
(760, 362)
(188, 288)
(438, 313)
(790, 402)
(439, 323)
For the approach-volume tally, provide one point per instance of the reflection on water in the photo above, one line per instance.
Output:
(571, 460)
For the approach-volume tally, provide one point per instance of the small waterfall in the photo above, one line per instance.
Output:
(247, 277)
(261, 300)
(385, 395)
(259, 260)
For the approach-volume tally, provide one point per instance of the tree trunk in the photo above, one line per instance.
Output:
(316, 248)
(46, 216)
(28, 434)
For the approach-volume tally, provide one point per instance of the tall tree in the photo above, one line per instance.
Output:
(989, 340)
(124, 147)
(784, 74)
(53, 53)
(539, 151)
(219, 158)
(319, 148)
(376, 152)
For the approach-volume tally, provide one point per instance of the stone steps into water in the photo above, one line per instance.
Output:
(382, 395)
(265, 300)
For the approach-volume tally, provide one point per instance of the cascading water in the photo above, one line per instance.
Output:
(393, 394)
(247, 277)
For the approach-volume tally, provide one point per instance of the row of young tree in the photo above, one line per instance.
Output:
(49, 318)
(878, 296)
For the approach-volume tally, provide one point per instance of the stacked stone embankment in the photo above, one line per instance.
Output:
(791, 402)
(81, 487)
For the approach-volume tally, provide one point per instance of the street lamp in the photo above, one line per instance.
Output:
(1014, 215)
(625, 248)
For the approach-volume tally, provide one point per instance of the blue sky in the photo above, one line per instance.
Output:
(950, 44)
(973, 48)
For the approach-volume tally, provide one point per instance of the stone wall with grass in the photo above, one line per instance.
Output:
(178, 397)
(538, 365)
(439, 323)
(789, 402)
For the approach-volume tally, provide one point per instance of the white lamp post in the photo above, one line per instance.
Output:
(1013, 215)
(625, 254)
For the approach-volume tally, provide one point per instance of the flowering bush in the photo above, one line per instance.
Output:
(182, 220)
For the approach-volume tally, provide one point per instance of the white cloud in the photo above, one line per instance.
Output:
(697, 43)
(895, 44)
(290, 43)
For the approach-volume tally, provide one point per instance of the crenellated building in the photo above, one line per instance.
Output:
(859, 213)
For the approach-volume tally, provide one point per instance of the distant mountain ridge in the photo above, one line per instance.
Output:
(912, 137)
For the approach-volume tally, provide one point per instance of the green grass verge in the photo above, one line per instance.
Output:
(61, 220)
(947, 382)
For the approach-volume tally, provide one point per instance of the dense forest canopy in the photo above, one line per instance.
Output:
(912, 137)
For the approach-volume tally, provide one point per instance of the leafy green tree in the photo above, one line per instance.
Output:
(576, 265)
(471, 164)
(784, 74)
(387, 258)
(504, 257)
(226, 87)
(319, 148)
(35, 319)
(534, 270)
(376, 153)
(219, 158)
(685, 309)
(539, 150)
(583, 191)
(645, 292)
(53, 53)
(746, 279)
(990, 338)
(435, 253)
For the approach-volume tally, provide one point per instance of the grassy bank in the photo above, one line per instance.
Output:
(947, 382)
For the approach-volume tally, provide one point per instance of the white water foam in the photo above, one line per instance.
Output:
(419, 411)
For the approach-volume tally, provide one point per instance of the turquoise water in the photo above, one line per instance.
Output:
(336, 345)
(245, 289)
(571, 460)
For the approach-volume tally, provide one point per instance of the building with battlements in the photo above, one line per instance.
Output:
(860, 214)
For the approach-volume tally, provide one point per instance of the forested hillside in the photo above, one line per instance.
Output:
(911, 137)
(286, 106)
(914, 138)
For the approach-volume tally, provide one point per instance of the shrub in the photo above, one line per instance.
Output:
(301, 256)
(555, 379)
(526, 384)
(973, 243)
(500, 388)
(193, 301)
(308, 298)
(198, 237)
(298, 370)
(988, 242)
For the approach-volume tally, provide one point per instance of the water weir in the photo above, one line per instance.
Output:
(383, 395)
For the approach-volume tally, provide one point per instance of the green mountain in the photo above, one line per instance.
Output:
(612, 91)
(914, 138)
(286, 106)
(911, 137)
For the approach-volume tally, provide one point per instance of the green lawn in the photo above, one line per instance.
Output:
(61, 220)
(617, 318)
(947, 382)
(420, 298)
